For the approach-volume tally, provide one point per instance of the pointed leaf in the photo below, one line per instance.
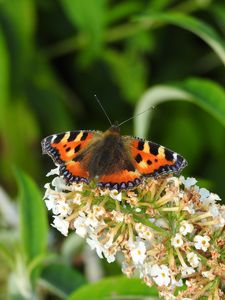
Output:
(200, 28)
(33, 218)
(108, 288)
(204, 93)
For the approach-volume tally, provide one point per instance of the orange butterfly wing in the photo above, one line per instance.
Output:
(66, 149)
(152, 160)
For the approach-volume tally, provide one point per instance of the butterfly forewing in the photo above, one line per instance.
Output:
(65, 150)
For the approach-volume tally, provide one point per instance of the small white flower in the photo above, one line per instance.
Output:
(209, 275)
(61, 224)
(98, 211)
(211, 199)
(117, 216)
(109, 257)
(48, 190)
(115, 195)
(177, 241)
(186, 271)
(138, 252)
(143, 231)
(161, 275)
(53, 172)
(175, 282)
(77, 199)
(59, 183)
(190, 208)
(94, 243)
(202, 242)
(62, 208)
(190, 181)
(161, 223)
(50, 203)
(214, 210)
(80, 226)
(186, 227)
(193, 259)
(204, 193)
(91, 220)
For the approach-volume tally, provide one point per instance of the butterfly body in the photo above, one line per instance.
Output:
(117, 162)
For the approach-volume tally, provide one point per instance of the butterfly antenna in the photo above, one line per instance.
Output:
(152, 107)
(103, 109)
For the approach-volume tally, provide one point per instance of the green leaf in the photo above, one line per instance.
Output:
(18, 23)
(88, 17)
(200, 28)
(122, 10)
(113, 287)
(129, 70)
(50, 99)
(4, 79)
(218, 11)
(205, 93)
(61, 279)
(33, 218)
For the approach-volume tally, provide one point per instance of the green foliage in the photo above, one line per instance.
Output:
(114, 287)
(33, 220)
(4, 78)
(61, 279)
(33, 228)
(200, 28)
(54, 56)
(207, 94)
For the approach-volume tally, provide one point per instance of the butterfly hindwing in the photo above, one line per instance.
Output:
(124, 179)
(65, 150)
(152, 159)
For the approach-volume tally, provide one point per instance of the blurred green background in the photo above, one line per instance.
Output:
(54, 56)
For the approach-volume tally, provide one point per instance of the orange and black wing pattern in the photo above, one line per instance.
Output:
(66, 151)
(152, 160)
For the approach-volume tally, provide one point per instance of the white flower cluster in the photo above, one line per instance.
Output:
(169, 231)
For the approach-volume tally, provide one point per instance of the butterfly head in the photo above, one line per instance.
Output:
(115, 128)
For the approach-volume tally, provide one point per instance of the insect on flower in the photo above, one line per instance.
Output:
(116, 162)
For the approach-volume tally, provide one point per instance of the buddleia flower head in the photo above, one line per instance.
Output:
(168, 230)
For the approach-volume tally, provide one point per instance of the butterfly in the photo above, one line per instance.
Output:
(117, 162)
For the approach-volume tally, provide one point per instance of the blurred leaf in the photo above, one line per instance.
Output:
(156, 5)
(18, 19)
(183, 134)
(113, 287)
(33, 218)
(50, 99)
(21, 126)
(205, 93)
(218, 10)
(89, 18)
(200, 28)
(122, 10)
(61, 279)
(4, 78)
(129, 71)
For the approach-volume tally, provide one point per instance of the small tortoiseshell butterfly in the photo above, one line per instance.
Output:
(117, 162)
